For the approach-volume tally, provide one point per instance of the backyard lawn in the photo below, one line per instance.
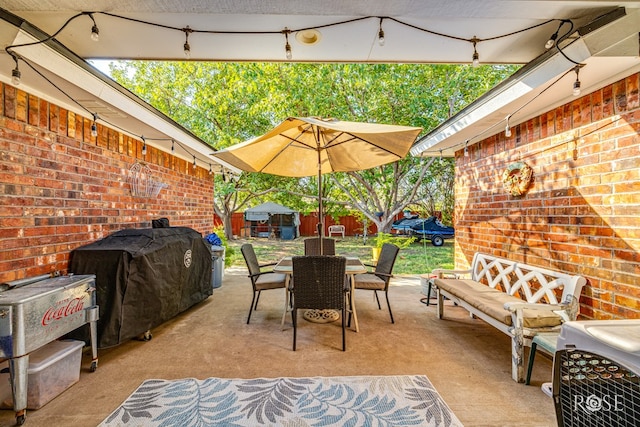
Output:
(418, 258)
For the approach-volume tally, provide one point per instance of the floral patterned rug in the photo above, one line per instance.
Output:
(318, 401)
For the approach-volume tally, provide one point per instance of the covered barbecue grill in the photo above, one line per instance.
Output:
(144, 277)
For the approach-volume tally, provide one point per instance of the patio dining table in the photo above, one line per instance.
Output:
(354, 266)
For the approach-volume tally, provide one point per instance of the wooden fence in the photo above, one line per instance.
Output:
(308, 223)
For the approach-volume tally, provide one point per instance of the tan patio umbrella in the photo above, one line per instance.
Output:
(306, 146)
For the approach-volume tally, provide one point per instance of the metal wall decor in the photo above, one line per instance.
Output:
(142, 183)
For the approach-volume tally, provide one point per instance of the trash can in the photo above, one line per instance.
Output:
(217, 265)
(287, 233)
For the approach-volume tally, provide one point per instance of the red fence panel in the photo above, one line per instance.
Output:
(308, 223)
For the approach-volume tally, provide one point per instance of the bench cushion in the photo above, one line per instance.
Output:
(491, 302)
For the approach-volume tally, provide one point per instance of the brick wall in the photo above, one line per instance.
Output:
(581, 214)
(61, 188)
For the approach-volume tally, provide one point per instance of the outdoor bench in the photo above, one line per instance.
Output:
(517, 299)
(336, 229)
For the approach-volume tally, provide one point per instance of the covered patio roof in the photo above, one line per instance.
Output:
(50, 70)
(415, 31)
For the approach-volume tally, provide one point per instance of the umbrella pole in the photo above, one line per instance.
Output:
(320, 215)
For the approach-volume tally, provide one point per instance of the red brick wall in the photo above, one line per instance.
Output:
(582, 212)
(61, 188)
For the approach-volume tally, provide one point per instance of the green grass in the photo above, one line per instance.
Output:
(418, 258)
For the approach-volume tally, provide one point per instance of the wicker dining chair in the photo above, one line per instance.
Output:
(319, 283)
(260, 280)
(378, 280)
(312, 246)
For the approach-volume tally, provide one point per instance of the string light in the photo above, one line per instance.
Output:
(552, 40)
(475, 59)
(94, 127)
(194, 162)
(489, 128)
(144, 146)
(95, 115)
(95, 32)
(287, 46)
(554, 37)
(381, 34)
(187, 46)
(440, 156)
(15, 73)
(210, 169)
(466, 150)
(507, 129)
(576, 84)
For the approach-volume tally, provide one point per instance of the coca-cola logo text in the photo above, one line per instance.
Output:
(62, 309)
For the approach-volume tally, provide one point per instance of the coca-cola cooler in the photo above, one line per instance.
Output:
(33, 313)
(596, 372)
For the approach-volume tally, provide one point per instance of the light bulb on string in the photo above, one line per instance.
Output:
(381, 34)
(554, 37)
(144, 146)
(576, 84)
(194, 162)
(288, 53)
(475, 59)
(440, 156)
(15, 73)
(15, 76)
(95, 31)
(94, 126)
(287, 46)
(466, 150)
(173, 148)
(552, 41)
(210, 169)
(507, 129)
(187, 46)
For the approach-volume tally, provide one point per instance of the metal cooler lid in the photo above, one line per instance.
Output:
(38, 289)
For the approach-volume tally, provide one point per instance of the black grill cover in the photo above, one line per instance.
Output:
(144, 277)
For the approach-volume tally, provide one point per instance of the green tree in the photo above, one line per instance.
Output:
(226, 103)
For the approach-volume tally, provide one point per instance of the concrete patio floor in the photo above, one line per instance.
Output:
(466, 360)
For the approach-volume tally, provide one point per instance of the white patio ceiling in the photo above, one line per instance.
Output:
(353, 42)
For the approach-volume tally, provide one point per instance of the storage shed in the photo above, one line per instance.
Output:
(272, 220)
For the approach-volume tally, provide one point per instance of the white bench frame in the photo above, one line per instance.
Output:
(498, 271)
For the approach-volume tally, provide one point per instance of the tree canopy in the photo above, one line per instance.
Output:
(227, 103)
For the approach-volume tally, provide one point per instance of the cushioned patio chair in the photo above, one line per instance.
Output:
(312, 246)
(378, 280)
(319, 283)
(260, 280)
